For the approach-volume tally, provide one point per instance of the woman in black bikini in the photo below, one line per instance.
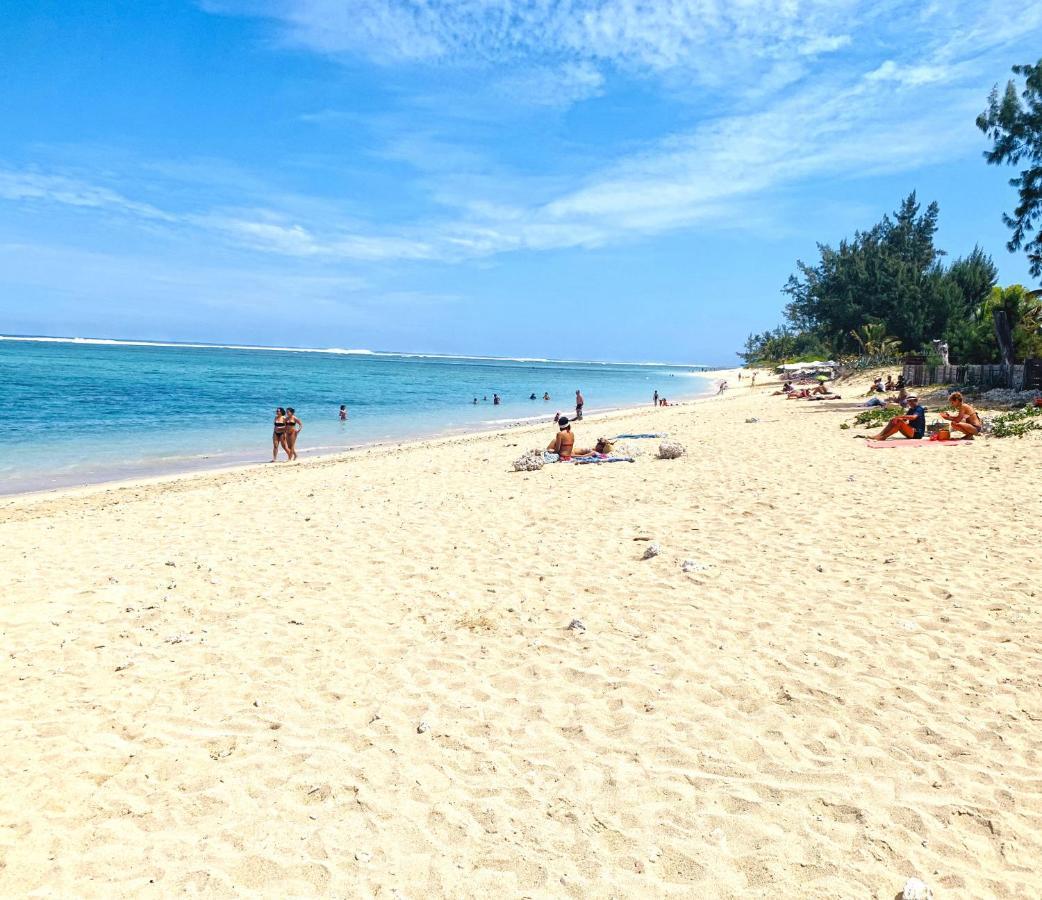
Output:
(293, 427)
(278, 436)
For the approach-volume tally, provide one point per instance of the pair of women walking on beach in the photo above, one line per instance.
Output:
(287, 427)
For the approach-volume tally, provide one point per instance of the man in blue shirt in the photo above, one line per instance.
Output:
(912, 425)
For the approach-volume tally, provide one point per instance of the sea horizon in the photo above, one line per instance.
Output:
(344, 351)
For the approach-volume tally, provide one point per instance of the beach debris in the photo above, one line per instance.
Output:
(423, 727)
(751, 420)
(670, 449)
(532, 461)
(652, 550)
(363, 856)
(915, 889)
(691, 565)
(178, 638)
(576, 625)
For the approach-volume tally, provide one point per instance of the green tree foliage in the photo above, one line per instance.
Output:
(1024, 313)
(873, 340)
(1014, 124)
(892, 275)
(783, 345)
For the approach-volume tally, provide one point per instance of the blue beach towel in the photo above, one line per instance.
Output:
(586, 460)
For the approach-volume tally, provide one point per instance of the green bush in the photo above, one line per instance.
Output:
(877, 415)
(1017, 422)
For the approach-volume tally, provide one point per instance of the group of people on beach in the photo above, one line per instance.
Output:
(911, 422)
(284, 436)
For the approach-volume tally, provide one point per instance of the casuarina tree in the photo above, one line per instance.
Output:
(1014, 123)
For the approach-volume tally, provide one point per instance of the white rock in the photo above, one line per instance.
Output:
(423, 726)
(532, 461)
(670, 449)
(653, 550)
(915, 889)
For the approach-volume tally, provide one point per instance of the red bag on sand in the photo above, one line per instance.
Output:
(943, 435)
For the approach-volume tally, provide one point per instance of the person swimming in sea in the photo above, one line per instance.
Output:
(343, 413)
(546, 395)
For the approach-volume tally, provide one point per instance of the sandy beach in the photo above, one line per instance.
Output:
(354, 676)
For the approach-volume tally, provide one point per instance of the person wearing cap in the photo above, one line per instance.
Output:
(912, 424)
(564, 441)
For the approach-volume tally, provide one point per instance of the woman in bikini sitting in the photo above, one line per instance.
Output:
(562, 447)
(965, 418)
(278, 436)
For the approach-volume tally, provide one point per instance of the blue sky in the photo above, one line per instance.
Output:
(608, 179)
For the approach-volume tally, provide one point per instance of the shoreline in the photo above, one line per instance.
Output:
(207, 465)
(411, 668)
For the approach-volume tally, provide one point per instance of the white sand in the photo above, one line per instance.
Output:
(212, 684)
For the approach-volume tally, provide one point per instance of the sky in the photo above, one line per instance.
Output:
(595, 179)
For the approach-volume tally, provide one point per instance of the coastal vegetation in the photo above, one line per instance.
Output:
(889, 290)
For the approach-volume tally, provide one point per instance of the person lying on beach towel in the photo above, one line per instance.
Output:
(912, 425)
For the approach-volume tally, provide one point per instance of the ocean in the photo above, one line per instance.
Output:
(82, 412)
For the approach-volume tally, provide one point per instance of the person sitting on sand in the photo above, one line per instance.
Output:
(912, 425)
(562, 447)
(877, 388)
(785, 389)
(900, 383)
(889, 383)
(965, 418)
(822, 388)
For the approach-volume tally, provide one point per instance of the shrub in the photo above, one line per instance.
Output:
(877, 415)
(1018, 422)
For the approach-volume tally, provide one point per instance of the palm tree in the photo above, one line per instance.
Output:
(874, 341)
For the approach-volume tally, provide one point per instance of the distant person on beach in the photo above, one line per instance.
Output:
(293, 427)
(889, 386)
(278, 436)
(900, 384)
(785, 389)
(475, 401)
(495, 399)
(654, 399)
(546, 395)
(579, 403)
(754, 379)
(722, 388)
(912, 425)
(965, 419)
(532, 397)
(557, 417)
(343, 412)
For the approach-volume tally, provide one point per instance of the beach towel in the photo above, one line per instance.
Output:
(600, 458)
(634, 437)
(924, 442)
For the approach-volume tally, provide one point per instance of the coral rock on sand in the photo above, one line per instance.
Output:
(653, 550)
(576, 625)
(670, 449)
(690, 565)
(915, 889)
(532, 461)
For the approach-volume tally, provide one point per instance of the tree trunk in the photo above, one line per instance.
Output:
(1003, 335)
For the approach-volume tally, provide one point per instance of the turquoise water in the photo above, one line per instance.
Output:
(88, 412)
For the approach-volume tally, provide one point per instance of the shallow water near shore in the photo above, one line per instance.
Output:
(93, 412)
